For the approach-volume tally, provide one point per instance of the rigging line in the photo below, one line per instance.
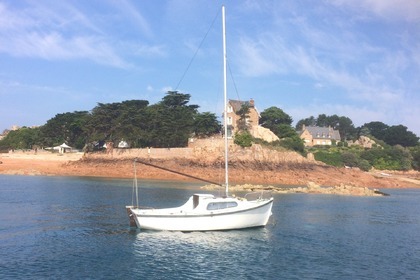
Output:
(196, 52)
(176, 172)
(233, 81)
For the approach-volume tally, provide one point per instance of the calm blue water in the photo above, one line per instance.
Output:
(77, 228)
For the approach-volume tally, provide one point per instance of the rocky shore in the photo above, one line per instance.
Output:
(277, 171)
(310, 188)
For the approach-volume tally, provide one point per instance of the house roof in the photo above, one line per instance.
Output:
(237, 104)
(322, 132)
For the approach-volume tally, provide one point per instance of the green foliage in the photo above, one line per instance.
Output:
(389, 158)
(330, 158)
(123, 120)
(376, 129)
(273, 116)
(66, 128)
(399, 135)
(311, 121)
(350, 159)
(415, 152)
(279, 123)
(338, 156)
(173, 120)
(168, 123)
(243, 139)
(243, 114)
(23, 138)
(391, 135)
(206, 124)
(294, 143)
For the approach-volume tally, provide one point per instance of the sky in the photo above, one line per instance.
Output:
(354, 58)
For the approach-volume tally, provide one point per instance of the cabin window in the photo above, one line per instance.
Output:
(221, 205)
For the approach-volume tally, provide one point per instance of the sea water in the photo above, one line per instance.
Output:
(77, 228)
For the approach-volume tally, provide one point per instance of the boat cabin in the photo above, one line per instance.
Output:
(210, 202)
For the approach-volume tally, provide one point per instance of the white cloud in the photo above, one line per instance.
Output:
(61, 32)
(403, 10)
(133, 14)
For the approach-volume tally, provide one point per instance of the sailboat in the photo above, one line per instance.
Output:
(207, 212)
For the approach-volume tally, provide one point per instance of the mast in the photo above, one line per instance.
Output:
(225, 102)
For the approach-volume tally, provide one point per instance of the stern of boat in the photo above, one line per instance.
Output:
(131, 216)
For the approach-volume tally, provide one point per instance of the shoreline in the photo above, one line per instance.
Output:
(76, 164)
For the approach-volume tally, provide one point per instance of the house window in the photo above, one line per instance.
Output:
(229, 132)
(229, 120)
(229, 109)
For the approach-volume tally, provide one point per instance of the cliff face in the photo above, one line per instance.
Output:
(255, 165)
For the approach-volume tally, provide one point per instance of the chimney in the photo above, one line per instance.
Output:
(303, 127)
(251, 103)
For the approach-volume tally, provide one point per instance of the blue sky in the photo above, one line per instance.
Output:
(354, 58)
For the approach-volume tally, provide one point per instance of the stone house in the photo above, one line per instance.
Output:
(233, 119)
(315, 135)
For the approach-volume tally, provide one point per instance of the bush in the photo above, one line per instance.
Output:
(333, 159)
(389, 158)
(293, 143)
(364, 165)
(350, 159)
(243, 139)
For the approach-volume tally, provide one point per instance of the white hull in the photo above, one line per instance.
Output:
(245, 214)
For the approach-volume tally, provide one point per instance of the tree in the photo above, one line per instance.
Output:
(172, 120)
(243, 114)
(133, 123)
(346, 128)
(206, 124)
(104, 121)
(311, 121)
(376, 129)
(399, 135)
(323, 121)
(23, 138)
(364, 131)
(67, 127)
(277, 121)
(274, 116)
